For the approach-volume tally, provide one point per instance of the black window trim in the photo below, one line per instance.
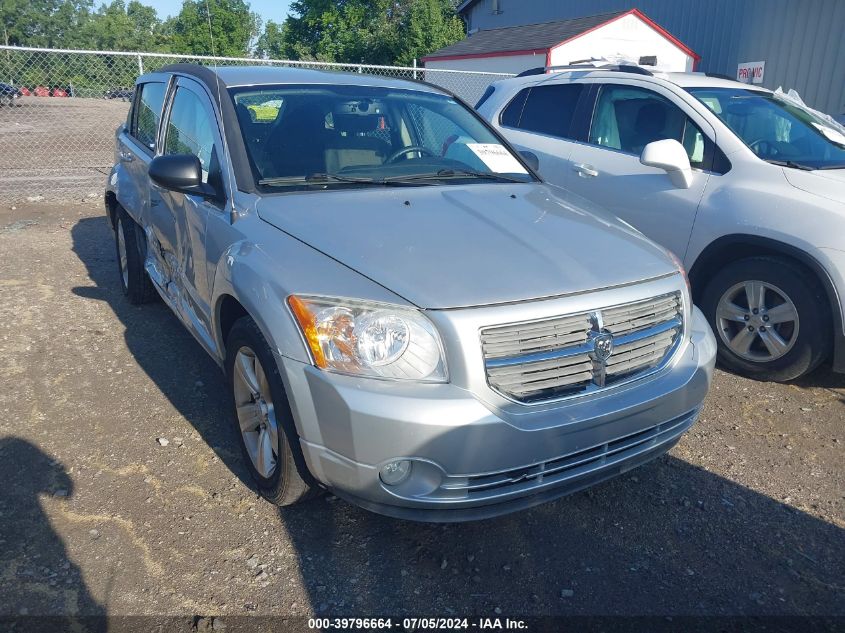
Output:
(133, 114)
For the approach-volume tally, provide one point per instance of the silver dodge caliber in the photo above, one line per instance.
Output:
(406, 315)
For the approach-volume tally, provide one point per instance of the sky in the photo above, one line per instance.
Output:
(275, 10)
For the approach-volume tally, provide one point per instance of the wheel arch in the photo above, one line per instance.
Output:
(228, 310)
(112, 205)
(731, 248)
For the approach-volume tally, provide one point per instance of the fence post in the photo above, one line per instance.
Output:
(415, 68)
(140, 64)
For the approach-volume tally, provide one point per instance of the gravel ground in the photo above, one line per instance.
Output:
(98, 515)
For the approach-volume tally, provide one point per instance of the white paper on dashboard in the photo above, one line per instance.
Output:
(497, 158)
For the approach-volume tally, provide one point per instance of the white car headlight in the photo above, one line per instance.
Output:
(370, 339)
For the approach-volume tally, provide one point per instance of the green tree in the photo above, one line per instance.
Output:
(233, 26)
(271, 43)
(123, 27)
(368, 31)
(428, 26)
(52, 23)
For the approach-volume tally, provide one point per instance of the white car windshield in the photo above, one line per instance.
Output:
(777, 131)
(306, 136)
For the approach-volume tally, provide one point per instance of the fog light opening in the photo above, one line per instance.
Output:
(394, 473)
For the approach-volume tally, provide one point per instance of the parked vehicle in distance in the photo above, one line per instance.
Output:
(744, 186)
(9, 95)
(405, 314)
(122, 93)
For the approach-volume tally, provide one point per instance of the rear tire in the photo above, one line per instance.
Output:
(130, 243)
(770, 316)
(262, 416)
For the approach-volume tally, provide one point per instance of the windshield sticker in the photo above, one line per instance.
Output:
(834, 136)
(497, 158)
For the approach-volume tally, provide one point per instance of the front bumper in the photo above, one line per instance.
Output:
(471, 460)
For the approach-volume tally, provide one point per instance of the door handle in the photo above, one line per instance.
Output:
(585, 171)
(126, 156)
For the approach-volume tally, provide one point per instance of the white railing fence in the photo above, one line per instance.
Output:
(57, 140)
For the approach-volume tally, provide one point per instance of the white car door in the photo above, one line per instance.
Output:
(607, 169)
(539, 119)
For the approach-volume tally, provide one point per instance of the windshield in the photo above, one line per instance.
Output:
(776, 130)
(322, 136)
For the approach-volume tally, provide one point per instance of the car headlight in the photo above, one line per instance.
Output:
(370, 339)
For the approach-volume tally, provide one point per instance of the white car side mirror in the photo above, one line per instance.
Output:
(670, 156)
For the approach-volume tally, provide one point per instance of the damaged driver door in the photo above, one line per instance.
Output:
(179, 220)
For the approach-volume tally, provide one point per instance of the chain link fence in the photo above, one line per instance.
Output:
(59, 110)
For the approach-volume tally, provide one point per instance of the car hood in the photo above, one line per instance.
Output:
(827, 183)
(457, 246)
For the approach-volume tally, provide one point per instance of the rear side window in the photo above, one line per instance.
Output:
(544, 109)
(147, 114)
(512, 113)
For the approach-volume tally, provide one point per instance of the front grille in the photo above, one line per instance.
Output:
(562, 356)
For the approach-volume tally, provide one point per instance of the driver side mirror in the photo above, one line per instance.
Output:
(531, 159)
(670, 156)
(181, 173)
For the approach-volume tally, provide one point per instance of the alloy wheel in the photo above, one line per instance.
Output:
(256, 413)
(757, 321)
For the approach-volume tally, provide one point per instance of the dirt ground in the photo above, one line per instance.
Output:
(744, 516)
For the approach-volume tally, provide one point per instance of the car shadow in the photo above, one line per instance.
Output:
(823, 378)
(666, 538)
(162, 347)
(41, 587)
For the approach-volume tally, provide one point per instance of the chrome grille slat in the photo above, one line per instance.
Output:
(524, 368)
(514, 340)
(533, 387)
(533, 345)
(538, 360)
(529, 380)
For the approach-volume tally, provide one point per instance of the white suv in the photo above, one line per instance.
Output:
(744, 186)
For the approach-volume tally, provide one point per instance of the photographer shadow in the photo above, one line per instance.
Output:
(42, 589)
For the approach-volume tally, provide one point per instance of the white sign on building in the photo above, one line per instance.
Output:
(751, 72)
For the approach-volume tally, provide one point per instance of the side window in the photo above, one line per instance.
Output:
(190, 130)
(147, 114)
(513, 112)
(628, 118)
(549, 109)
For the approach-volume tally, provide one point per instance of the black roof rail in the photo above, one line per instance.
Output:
(719, 76)
(630, 68)
(532, 71)
(617, 68)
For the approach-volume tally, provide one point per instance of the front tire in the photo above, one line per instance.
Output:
(130, 244)
(263, 418)
(770, 318)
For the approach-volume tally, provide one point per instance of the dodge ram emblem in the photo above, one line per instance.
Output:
(603, 346)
